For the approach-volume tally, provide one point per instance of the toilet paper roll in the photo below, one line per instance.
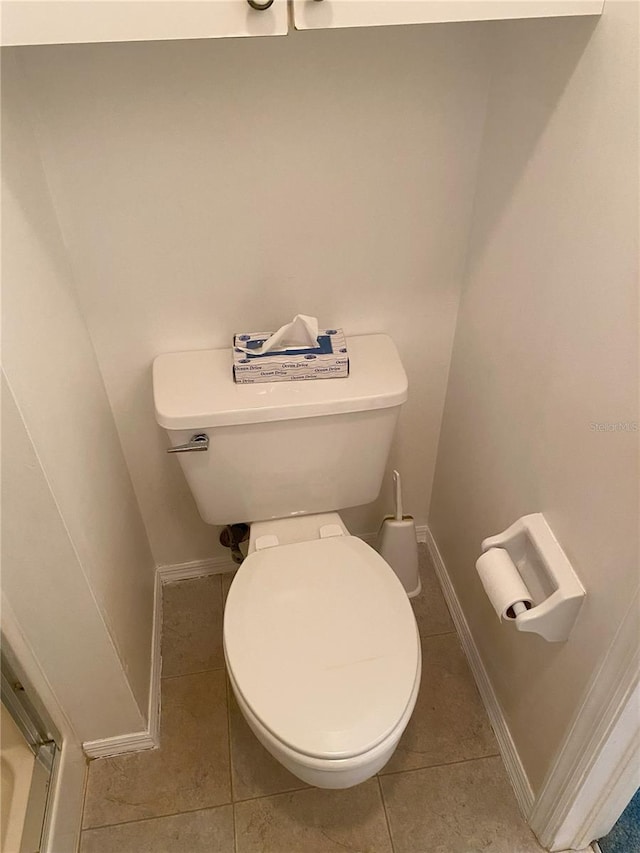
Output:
(502, 582)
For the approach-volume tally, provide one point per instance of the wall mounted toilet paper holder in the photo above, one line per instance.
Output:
(554, 587)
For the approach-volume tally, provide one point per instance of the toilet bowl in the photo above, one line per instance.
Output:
(322, 650)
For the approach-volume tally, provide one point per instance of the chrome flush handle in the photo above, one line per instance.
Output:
(196, 442)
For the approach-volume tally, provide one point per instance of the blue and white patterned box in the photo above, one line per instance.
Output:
(329, 360)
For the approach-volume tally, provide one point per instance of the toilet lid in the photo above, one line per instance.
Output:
(322, 643)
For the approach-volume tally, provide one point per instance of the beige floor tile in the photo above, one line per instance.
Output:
(314, 821)
(429, 607)
(192, 626)
(196, 832)
(449, 722)
(460, 808)
(254, 772)
(189, 771)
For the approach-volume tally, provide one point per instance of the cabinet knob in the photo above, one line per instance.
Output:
(260, 5)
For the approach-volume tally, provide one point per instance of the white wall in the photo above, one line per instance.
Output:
(43, 580)
(546, 345)
(209, 187)
(78, 570)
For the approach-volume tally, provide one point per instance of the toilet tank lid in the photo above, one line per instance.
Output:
(195, 390)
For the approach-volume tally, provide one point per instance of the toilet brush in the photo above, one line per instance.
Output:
(397, 543)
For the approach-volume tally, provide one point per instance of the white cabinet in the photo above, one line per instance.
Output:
(324, 14)
(64, 21)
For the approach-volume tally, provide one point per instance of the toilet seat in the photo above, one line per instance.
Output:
(322, 647)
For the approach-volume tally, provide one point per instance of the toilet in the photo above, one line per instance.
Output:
(320, 640)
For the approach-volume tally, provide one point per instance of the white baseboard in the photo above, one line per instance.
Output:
(149, 738)
(118, 745)
(422, 532)
(156, 663)
(195, 569)
(370, 538)
(64, 813)
(519, 780)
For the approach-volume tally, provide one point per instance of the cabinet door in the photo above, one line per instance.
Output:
(66, 21)
(323, 14)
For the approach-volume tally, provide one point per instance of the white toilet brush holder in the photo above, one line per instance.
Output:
(398, 545)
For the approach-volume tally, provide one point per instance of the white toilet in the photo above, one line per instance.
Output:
(320, 640)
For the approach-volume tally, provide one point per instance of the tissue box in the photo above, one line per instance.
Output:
(328, 360)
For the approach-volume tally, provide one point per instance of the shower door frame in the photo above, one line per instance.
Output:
(64, 809)
(597, 770)
(41, 740)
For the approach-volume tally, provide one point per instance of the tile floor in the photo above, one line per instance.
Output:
(212, 788)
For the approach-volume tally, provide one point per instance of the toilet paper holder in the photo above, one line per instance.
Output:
(556, 592)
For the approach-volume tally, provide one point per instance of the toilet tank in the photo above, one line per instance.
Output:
(280, 449)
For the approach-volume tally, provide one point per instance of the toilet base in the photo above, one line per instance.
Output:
(324, 772)
(334, 778)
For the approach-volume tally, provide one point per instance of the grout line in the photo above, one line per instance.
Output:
(442, 764)
(304, 787)
(203, 809)
(441, 634)
(228, 692)
(386, 815)
(156, 817)
(197, 672)
(235, 831)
